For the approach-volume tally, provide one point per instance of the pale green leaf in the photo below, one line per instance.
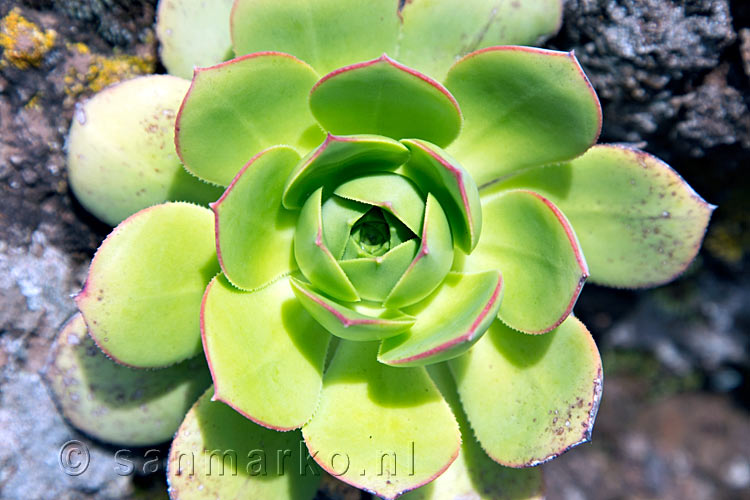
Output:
(435, 33)
(324, 33)
(530, 398)
(121, 155)
(143, 292)
(193, 33)
(436, 171)
(386, 98)
(115, 403)
(314, 258)
(217, 453)
(522, 107)
(375, 277)
(236, 109)
(254, 232)
(382, 429)
(640, 224)
(265, 352)
(360, 322)
(448, 322)
(340, 158)
(474, 476)
(432, 262)
(391, 192)
(531, 242)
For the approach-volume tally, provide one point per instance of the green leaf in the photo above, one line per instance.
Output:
(265, 352)
(640, 224)
(351, 321)
(386, 98)
(193, 33)
(340, 158)
(121, 157)
(437, 172)
(375, 277)
(432, 262)
(532, 243)
(474, 475)
(339, 216)
(145, 284)
(382, 429)
(391, 192)
(321, 32)
(254, 232)
(217, 453)
(114, 403)
(434, 33)
(236, 109)
(314, 258)
(522, 107)
(530, 398)
(449, 322)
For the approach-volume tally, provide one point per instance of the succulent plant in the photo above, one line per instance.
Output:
(386, 285)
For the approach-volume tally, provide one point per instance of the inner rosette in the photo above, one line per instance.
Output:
(370, 238)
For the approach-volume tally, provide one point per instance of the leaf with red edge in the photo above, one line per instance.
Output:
(544, 391)
(217, 453)
(436, 171)
(522, 107)
(431, 263)
(386, 98)
(382, 429)
(314, 258)
(145, 285)
(474, 475)
(448, 322)
(352, 321)
(340, 158)
(531, 242)
(236, 109)
(265, 352)
(254, 232)
(640, 224)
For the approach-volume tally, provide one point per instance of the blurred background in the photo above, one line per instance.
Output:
(674, 79)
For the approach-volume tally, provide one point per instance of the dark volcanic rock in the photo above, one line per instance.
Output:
(649, 61)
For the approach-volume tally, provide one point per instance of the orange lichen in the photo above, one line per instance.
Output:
(101, 71)
(24, 43)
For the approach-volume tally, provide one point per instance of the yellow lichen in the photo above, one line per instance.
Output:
(33, 102)
(79, 47)
(104, 71)
(24, 43)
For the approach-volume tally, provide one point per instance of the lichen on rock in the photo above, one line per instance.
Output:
(24, 43)
(96, 71)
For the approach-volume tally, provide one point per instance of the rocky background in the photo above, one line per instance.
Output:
(674, 79)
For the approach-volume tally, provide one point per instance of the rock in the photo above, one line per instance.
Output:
(32, 433)
(646, 59)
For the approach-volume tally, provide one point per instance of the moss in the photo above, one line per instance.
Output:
(102, 71)
(24, 43)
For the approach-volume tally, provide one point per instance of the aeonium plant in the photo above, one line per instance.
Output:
(384, 289)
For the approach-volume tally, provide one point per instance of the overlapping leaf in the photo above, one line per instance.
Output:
(145, 285)
(640, 224)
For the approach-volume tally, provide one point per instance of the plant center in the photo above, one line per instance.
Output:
(372, 233)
